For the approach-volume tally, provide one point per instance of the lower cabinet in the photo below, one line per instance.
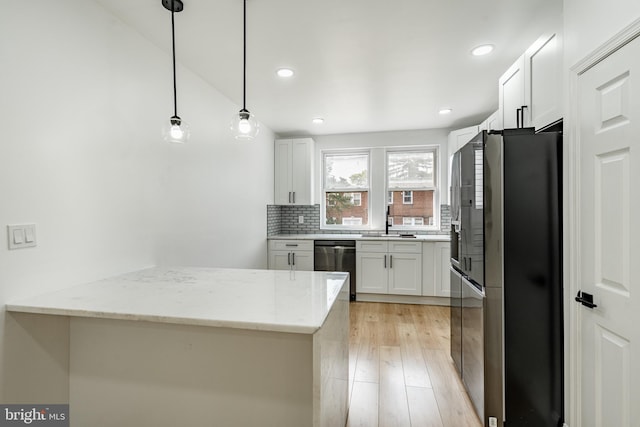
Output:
(389, 267)
(291, 255)
(436, 258)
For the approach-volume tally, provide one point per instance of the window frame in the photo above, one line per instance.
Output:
(404, 197)
(324, 191)
(434, 149)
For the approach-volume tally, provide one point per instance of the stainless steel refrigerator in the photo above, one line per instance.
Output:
(506, 272)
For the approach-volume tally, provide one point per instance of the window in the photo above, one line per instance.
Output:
(352, 221)
(346, 188)
(407, 197)
(358, 186)
(411, 174)
(412, 221)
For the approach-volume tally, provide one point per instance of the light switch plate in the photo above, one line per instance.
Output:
(21, 236)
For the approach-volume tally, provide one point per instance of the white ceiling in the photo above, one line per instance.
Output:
(363, 65)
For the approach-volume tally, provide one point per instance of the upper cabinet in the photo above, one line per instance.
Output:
(530, 90)
(543, 81)
(459, 137)
(293, 171)
(492, 122)
(511, 97)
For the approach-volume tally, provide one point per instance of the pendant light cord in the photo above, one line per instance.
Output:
(244, 58)
(173, 44)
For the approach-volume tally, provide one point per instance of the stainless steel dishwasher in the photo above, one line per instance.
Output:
(337, 255)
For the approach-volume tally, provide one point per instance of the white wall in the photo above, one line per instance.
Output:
(83, 98)
(375, 141)
(589, 23)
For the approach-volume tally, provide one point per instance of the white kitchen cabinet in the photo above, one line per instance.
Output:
(491, 123)
(293, 183)
(442, 261)
(435, 269)
(459, 137)
(511, 94)
(534, 82)
(291, 255)
(543, 81)
(389, 267)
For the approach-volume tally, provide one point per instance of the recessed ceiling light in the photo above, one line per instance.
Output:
(445, 111)
(482, 50)
(318, 120)
(284, 72)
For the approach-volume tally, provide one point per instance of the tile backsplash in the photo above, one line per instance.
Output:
(284, 220)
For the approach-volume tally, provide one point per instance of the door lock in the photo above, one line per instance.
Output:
(585, 299)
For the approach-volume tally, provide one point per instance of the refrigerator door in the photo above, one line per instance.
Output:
(473, 344)
(456, 319)
(471, 209)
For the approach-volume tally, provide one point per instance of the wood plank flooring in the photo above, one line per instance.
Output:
(400, 372)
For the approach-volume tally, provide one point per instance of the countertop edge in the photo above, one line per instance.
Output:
(418, 238)
(263, 327)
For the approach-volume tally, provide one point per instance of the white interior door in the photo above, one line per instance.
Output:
(609, 238)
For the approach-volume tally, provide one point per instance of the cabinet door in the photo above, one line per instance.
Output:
(302, 261)
(405, 273)
(301, 162)
(282, 172)
(493, 122)
(279, 260)
(442, 263)
(371, 272)
(428, 269)
(543, 81)
(511, 93)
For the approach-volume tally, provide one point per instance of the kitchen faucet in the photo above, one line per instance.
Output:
(386, 222)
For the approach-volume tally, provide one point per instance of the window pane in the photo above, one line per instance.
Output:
(419, 212)
(346, 171)
(347, 208)
(410, 170)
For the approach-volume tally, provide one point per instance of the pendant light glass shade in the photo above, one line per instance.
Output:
(176, 130)
(244, 125)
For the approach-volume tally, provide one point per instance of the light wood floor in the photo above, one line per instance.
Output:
(400, 370)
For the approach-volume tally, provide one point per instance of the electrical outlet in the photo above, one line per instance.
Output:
(21, 236)
(493, 422)
(301, 219)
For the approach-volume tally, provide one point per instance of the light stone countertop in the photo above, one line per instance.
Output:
(327, 236)
(267, 300)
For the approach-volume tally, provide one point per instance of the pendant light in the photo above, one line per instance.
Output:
(175, 130)
(243, 124)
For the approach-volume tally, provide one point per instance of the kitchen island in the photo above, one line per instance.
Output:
(204, 347)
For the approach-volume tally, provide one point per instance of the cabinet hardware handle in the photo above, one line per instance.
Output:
(294, 197)
(289, 258)
(518, 111)
(294, 245)
(293, 257)
(585, 299)
(289, 196)
(390, 261)
(522, 115)
(385, 261)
